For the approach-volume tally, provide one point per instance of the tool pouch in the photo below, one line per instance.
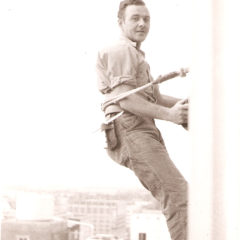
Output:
(111, 136)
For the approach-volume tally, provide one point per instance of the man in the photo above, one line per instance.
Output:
(133, 139)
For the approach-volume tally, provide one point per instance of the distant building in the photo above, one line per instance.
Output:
(107, 216)
(149, 225)
(34, 220)
(79, 230)
(33, 230)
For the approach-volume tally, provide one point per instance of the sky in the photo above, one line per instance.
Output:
(49, 102)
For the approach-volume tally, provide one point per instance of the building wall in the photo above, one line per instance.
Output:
(107, 216)
(151, 223)
(34, 230)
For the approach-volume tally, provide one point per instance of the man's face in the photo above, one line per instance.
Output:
(135, 23)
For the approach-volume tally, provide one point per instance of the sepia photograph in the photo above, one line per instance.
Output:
(119, 120)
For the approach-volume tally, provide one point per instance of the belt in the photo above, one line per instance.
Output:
(112, 109)
(112, 116)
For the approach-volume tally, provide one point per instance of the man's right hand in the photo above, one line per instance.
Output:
(179, 112)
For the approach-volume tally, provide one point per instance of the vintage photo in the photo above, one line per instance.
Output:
(119, 120)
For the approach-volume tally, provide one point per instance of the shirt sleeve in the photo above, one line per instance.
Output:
(117, 66)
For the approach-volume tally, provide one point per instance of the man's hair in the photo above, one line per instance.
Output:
(123, 5)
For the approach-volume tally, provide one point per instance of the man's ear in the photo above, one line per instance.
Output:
(120, 21)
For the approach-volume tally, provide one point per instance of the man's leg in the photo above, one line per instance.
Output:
(150, 161)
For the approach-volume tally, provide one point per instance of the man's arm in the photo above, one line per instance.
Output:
(165, 100)
(136, 104)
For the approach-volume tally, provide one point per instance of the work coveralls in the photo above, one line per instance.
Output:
(140, 145)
